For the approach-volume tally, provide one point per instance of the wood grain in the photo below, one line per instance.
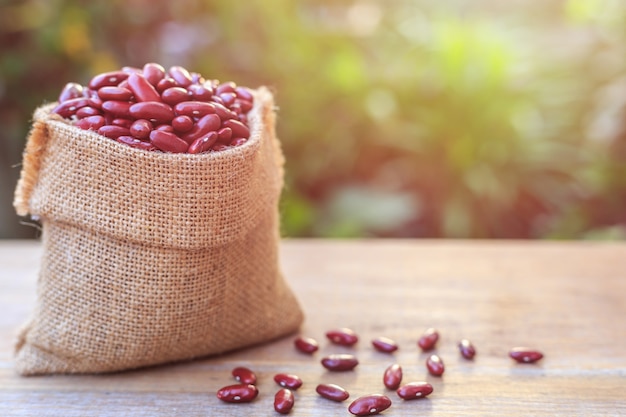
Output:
(567, 299)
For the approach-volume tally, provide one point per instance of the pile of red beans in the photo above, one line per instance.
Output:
(149, 108)
(284, 400)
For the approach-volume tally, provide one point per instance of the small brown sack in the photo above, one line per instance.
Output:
(151, 257)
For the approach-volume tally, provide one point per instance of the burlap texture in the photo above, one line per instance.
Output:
(151, 257)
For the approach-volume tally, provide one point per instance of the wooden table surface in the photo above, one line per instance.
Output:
(567, 299)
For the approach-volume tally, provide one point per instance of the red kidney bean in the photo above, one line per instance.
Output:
(245, 105)
(392, 376)
(203, 144)
(284, 401)
(384, 344)
(340, 362)
(332, 392)
(114, 93)
(194, 108)
(225, 135)
(117, 108)
(467, 349)
(435, 366)
(343, 336)
(238, 393)
(165, 128)
(244, 375)
(238, 141)
(240, 130)
(69, 107)
(175, 95)
(124, 84)
(153, 73)
(369, 405)
(228, 98)
(136, 143)
(70, 91)
(154, 111)
(244, 94)
(428, 339)
(525, 355)
(95, 101)
(182, 124)
(113, 132)
(304, 344)
(165, 83)
(141, 128)
(91, 122)
(200, 93)
(208, 123)
(288, 381)
(168, 142)
(122, 122)
(142, 89)
(414, 390)
(107, 79)
(223, 112)
(87, 111)
(180, 75)
(217, 99)
(227, 87)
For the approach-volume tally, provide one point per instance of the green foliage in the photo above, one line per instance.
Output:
(403, 118)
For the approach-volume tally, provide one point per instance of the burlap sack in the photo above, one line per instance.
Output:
(151, 257)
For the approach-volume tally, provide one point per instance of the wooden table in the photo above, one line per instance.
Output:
(567, 299)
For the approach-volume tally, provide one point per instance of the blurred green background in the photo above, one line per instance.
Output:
(398, 118)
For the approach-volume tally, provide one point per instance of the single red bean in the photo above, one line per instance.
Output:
(225, 135)
(203, 144)
(332, 392)
(435, 366)
(241, 131)
(142, 89)
(194, 108)
(245, 105)
(175, 95)
(154, 111)
(91, 122)
(70, 91)
(165, 83)
(69, 107)
(114, 93)
(288, 381)
(136, 143)
(342, 336)
(165, 128)
(113, 132)
(467, 349)
(223, 112)
(181, 76)
(428, 339)
(87, 111)
(95, 101)
(369, 405)
(238, 393)
(107, 78)
(141, 128)
(153, 73)
(340, 362)
(208, 123)
(124, 84)
(384, 344)
(168, 142)
(228, 98)
(303, 344)
(284, 401)
(122, 122)
(227, 87)
(182, 123)
(244, 375)
(414, 390)
(525, 355)
(392, 378)
(244, 94)
(117, 108)
(200, 93)
(238, 141)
